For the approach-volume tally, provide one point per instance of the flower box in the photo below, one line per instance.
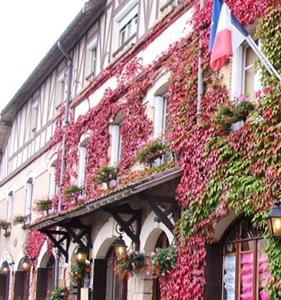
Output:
(107, 175)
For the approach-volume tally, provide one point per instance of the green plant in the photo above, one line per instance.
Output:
(78, 271)
(72, 192)
(242, 109)
(43, 205)
(18, 219)
(162, 261)
(60, 293)
(4, 224)
(150, 151)
(105, 174)
(130, 264)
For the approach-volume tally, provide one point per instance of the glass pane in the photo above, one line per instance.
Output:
(229, 277)
(263, 275)
(246, 276)
(250, 59)
(248, 245)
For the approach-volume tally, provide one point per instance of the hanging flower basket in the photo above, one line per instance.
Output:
(6, 226)
(107, 175)
(162, 261)
(130, 264)
(60, 293)
(78, 272)
(20, 219)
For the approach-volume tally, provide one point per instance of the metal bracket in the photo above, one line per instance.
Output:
(156, 204)
(126, 225)
(58, 236)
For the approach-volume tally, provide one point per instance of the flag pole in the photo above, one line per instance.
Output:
(200, 82)
(264, 60)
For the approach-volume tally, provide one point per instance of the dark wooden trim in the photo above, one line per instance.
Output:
(26, 163)
(32, 140)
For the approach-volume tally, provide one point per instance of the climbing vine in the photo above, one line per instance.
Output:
(221, 171)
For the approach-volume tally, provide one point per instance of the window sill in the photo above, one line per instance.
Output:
(124, 48)
(91, 76)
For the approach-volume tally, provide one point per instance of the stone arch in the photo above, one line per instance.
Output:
(105, 237)
(150, 232)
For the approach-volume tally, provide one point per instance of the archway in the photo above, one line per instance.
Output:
(45, 277)
(22, 278)
(4, 281)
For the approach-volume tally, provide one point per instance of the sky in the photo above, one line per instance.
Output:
(28, 29)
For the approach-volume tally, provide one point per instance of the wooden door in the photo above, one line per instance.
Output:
(21, 285)
(4, 286)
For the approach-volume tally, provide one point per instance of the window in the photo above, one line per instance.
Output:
(28, 200)
(10, 203)
(60, 89)
(52, 182)
(116, 142)
(245, 265)
(91, 58)
(82, 163)
(116, 286)
(160, 115)
(34, 113)
(128, 26)
(245, 79)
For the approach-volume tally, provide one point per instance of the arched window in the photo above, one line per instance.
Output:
(237, 266)
(82, 151)
(160, 111)
(52, 180)
(116, 287)
(245, 265)
(10, 205)
(28, 200)
(116, 139)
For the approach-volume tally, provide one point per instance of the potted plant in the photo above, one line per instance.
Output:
(72, 192)
(43, 205)
(20, 219)
(152, 154)
(162, 261)
(6, 226)
(60, 293)
(130, 264)
(106, 174)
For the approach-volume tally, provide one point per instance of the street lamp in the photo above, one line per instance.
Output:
(5, 268)
(119, 244)
(274, 217)
(26, 264)
(81, 254)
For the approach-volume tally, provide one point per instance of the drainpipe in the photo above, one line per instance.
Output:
(200, 87)
(65, 124)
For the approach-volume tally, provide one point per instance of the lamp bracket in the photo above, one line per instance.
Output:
(126, 224)
(163, 207)
(58, 237)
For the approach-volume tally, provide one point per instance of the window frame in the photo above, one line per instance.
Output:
(28, 200)
(10, 207)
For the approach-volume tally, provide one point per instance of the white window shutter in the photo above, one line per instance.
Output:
(237, 73)
(158, 116)
(28, 200)
(82, 165)
(115, 144)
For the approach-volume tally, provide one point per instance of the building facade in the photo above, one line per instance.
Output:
(97, 145)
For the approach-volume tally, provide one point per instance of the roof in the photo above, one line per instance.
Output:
(69, 38)
(116, 196)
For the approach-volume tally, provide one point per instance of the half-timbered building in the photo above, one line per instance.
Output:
(95, 100)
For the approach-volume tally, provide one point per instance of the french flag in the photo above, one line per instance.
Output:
(226, 36)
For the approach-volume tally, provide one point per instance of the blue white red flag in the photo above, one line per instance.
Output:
(226, 36)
